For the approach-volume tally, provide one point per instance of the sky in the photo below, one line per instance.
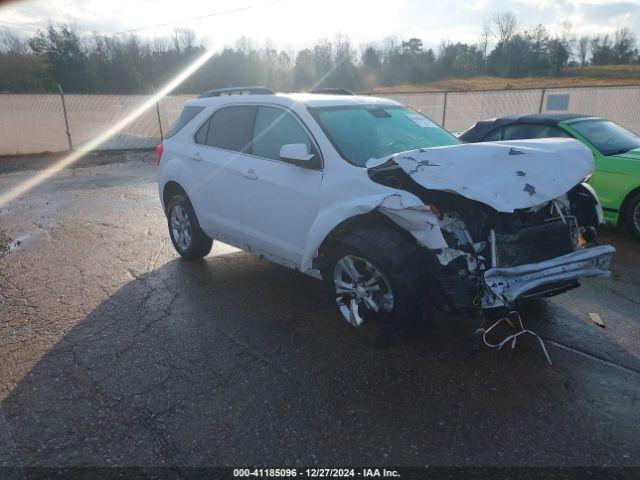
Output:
(296, 24)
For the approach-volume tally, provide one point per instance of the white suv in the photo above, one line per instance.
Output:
(389, 209)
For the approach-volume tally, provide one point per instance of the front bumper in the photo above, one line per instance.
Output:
(503, 286)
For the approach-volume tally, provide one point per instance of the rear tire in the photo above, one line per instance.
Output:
(632, 216)
(186, 235)
(372, 276)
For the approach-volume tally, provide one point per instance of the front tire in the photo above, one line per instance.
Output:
(186, 235)
(633, 214)
(372, 276)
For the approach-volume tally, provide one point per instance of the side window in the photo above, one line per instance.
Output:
(525, 131)
(201, 134)
(187, 114)
(556, 132)
(494, 136)
(228, 128)
(276, 127)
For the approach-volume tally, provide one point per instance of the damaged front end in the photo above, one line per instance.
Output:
(503, 286)
(492, 257)
(495, 259)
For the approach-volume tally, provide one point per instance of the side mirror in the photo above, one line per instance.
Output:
(297, 154)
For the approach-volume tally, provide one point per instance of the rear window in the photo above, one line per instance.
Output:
(187, 114)
(229, 128)
(525, 131)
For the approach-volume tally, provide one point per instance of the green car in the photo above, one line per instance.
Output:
(616, 179)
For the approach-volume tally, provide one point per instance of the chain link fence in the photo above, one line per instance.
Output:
(31, 124)
(36, 123)
(458, 111)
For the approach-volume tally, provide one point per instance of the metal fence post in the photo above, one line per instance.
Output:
(444, 109)
(544, 90)
(159, 121)
(66, 120)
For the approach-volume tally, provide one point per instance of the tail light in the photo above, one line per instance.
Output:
(159, 150)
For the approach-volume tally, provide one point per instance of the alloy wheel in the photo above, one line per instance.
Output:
(181, 227)
(360, 288)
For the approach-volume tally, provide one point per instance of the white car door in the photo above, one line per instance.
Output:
(278, 200)
(213, 163)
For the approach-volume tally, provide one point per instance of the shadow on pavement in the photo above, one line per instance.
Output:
(234, 361)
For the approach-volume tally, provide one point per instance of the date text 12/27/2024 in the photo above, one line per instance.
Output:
(316, 472)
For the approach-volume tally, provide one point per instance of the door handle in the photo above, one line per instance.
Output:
(250, 174)
(196, 156)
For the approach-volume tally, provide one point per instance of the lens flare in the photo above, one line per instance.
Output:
(73, 157)
(40, 177)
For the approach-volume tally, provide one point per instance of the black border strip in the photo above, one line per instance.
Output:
(406, 473)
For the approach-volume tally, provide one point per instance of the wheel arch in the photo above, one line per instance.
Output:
(400, 211)
(172, 188)
(622, 217)
(361, 222)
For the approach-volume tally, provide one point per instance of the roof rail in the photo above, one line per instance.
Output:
(236, 91)
(333, 91)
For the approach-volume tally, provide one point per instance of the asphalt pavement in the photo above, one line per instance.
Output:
(113, 351)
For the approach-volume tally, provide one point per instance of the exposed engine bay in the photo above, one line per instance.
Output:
(493, 258)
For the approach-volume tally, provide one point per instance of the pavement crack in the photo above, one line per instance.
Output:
(137, 415)
(623, 296)
(258, 356)
(591, 356)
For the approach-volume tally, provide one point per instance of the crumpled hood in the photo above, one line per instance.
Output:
(504, 175)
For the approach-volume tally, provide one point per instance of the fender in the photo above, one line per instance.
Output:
(594, 195)
(169, 171)
(403, 208)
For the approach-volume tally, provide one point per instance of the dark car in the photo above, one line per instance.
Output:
(616, 179)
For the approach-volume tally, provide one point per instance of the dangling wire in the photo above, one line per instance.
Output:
(514, 337)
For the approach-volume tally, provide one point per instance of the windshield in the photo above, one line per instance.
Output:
(607, 137)
(363, 132)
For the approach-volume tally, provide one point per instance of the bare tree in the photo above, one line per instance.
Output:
(566, 37)
(344, 52)
(322, 57)
(485, 36)
(624, 46)
(583, 49)
(601, 50)
(245, 45)
(160, 44)
(127, 64)
(565, 31)
(10, 42)
(184, 40)
(389, 45)
(504, 25)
